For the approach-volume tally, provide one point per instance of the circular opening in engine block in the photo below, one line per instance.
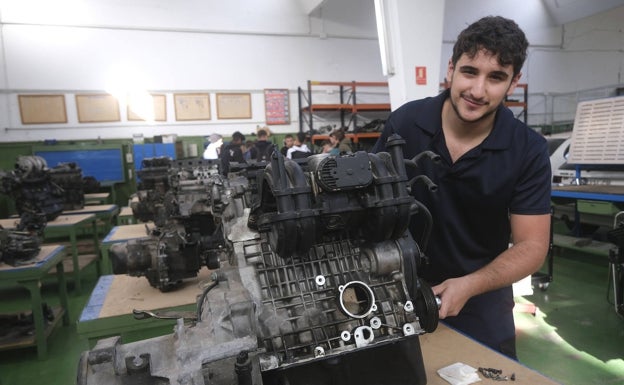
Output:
(356, 299)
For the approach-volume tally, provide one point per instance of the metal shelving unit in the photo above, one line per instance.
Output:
(346, 105)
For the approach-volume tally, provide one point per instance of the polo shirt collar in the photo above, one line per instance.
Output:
(499, 139)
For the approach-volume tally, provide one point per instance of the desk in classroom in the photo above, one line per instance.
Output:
(109, 313)
(67, 226)
(119, 234)
(30, 277)
(109, 310)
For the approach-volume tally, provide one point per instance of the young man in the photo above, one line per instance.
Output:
(232, 152)
(262, 149)
(289, 140)
(493, 182)
(214, 147)
(299, 149)
(340, 141)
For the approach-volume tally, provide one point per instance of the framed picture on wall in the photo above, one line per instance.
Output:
(234, 106)
(147, 107)
(94, 108)
(193, 106)
(277, 106)
(42, 109)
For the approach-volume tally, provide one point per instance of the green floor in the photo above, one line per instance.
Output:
(575, 337)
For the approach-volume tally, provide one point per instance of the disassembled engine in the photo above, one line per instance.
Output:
(153, 185)
(21, 245)
(31, 187)
(68, 176)
(316, 284)
(188, 233)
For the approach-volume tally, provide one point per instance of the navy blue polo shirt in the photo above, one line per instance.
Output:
(509, 172)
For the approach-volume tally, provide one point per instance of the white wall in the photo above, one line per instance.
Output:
(164, 46)
(74, 46)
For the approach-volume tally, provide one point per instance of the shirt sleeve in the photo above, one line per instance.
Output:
(533, 189)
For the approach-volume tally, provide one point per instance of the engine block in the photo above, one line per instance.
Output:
(316, 284)
(30, 186)
(68, 176)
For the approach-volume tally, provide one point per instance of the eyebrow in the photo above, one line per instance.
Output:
(501, 74)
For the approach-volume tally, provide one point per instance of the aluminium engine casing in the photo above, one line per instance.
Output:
(317, 284)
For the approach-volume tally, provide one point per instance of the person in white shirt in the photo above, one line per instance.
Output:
(299, 148)
(212, 150)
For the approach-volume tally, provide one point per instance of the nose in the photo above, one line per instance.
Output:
(477, 91)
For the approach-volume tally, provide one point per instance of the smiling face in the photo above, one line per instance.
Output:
(479, 85)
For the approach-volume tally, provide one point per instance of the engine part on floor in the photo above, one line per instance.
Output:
(311, 293)
(68, 176)
(30, 185)
(13, 326)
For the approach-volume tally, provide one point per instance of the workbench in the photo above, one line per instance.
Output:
(109, 313)
(446, 346)
(96, 198)
(597, 204)
(590, 192)
(109, 310)
(119, 234)
(30, 276)
(126, 216)
(105, 214)
(68, 227)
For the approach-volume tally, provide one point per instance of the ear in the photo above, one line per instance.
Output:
(449, 72)
(514, 83)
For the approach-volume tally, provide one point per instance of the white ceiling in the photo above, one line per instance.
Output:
(565, 11)
(560, 11)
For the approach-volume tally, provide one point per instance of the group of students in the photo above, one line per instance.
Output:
(294, 147)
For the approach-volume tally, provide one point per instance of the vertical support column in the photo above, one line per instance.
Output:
(75, 262)
(33, 287)
(411, 38)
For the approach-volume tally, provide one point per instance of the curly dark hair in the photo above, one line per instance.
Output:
(238, 136)
(496, 34)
